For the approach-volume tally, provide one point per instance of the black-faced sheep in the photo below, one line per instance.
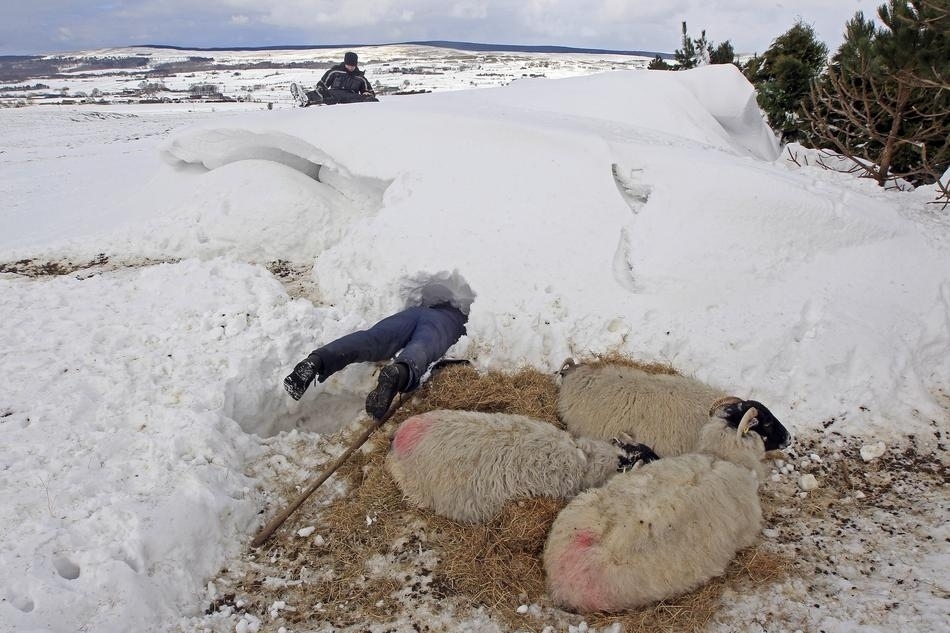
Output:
(663, 529)
(465, 465)
(665, 412)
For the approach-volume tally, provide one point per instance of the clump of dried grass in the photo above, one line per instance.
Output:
(495, 565)
(527, 392)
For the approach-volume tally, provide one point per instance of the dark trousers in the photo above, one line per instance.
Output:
(423, 334)
(331, 97)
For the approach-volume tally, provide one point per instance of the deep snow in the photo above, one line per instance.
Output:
(647, 213)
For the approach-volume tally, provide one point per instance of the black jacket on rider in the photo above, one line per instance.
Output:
(339, 78)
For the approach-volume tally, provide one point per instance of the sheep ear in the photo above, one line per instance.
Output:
(747, 422)
(722, 402)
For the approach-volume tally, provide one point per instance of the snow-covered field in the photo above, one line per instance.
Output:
(645, 213)
(263, 77)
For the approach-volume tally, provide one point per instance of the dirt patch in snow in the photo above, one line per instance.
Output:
(50, 268)
(35, 268)
(296, 278)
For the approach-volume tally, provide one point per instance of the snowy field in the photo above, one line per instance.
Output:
(265, 76)
(165, 266)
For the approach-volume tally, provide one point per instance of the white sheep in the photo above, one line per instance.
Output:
(465, 465)
(663, 529)
(665, 412)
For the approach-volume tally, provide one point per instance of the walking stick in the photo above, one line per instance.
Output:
(278, 520)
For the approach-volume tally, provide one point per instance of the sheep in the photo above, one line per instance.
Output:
(665, 528)
(465, 465)
(665, 412)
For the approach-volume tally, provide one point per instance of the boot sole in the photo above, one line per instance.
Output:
(297, 93)
(379, 399)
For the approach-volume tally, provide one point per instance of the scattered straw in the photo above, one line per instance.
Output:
(613, 358)
(528, 392)
(378, 557)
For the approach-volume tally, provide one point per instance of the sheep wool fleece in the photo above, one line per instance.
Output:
(658, 531)
(665, 412)
(651, 533)
(465, 465)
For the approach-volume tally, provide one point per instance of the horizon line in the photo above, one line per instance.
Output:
(458, 45)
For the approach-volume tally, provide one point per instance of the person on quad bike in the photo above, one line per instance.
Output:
(343, 83)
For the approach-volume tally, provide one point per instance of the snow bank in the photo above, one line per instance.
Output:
(121, 466)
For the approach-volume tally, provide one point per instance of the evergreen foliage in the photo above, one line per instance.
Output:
(658, 63)
(685, 57)
(700, 52)
(723, 54)
(703, 48)
(783, 76)
(885, 100)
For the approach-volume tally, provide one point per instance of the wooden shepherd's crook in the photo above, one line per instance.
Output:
(278, 520)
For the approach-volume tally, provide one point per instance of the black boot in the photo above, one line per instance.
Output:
(392, 380)
(302, 375)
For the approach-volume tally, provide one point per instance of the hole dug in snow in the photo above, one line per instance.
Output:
(441, 287)
(257, 401)
(339, 402)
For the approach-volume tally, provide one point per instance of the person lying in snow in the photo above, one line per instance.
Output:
(422, 333)
(343, 83)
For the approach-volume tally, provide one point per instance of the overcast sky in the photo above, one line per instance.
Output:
(47, 26)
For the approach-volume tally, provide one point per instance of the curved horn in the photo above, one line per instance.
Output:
(747, 422)
(568, 364)
(723, 401)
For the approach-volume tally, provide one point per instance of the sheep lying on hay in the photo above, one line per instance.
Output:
(494, 566)
(666, 528)
(465, 465)
(663, 411)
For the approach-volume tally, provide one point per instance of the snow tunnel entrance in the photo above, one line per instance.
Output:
(442, 287)
(211, 149)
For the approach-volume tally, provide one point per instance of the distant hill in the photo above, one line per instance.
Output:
(462, 46)
(517, 48)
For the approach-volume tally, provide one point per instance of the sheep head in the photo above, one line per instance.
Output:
(748, 421)
(735, 412)
(634, 454)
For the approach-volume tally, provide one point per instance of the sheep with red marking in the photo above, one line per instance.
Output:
(465, 465)
(663, 529)
(665, 412)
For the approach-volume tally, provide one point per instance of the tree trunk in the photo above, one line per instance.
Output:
(893, 135)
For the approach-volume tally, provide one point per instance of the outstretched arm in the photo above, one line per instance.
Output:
(368, 87)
